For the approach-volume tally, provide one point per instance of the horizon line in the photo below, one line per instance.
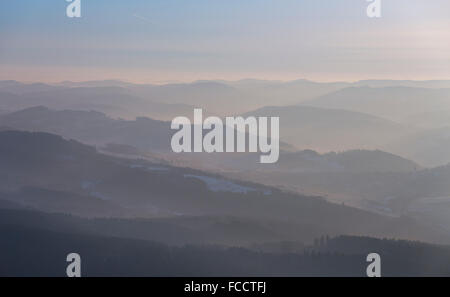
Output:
(169, 82)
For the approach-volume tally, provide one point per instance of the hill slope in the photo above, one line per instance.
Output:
(331, 129)
(47, 161)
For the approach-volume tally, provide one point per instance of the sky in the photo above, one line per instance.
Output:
(157, 41)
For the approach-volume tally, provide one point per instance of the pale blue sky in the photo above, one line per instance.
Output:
(186, 40)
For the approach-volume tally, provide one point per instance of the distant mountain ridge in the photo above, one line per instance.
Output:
(48, 162)
(114, 101)
(325, 129)
(394, 102)
(217, 96)
(93, 127)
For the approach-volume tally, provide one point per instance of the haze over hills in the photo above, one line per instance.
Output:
(150, 136)
(326, 129)
(18, 88)
(394, 103)
(142, 134)
(392, 193)
(94, 83)
(114, 101)
(429, 120)
(124, 99)
(306, 127)
(285, 93)
(381, 98)
(224, 138)
(339, 256)
(351, 176)
(93, 127)
(430, 84)
(49, 162)
(216, 97)
(429, 147)
(120, 99)
(330, 162)
(306, 161)
(347, 161)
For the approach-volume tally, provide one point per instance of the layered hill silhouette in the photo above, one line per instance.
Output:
(88, 166)
(152, 136)
(114, 101)
(49, 162)
(394, 102)
(93, 127)
(430, 147)
(326, 129)
(339, 256)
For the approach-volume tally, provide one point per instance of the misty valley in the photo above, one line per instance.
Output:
(89, 168)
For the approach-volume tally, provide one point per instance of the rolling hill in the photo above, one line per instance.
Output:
(45, 161)
(394, 103)
(325, 129)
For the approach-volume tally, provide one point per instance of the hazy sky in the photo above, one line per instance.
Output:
(186, 40)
